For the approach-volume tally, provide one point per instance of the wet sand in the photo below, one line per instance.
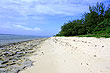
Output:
(71, 55)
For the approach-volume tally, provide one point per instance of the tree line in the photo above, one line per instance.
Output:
(97, 21)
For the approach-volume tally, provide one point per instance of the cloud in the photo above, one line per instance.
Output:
(5, 26)
(20, 27)
(27, 28)
(22, 8)
(50, 7)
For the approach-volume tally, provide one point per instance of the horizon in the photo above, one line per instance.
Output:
(40, 18)
(24, 35)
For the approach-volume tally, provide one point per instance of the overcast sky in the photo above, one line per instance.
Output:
(40, 17)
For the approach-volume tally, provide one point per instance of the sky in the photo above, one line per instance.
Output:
(40, 17)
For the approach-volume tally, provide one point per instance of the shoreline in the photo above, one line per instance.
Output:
(71, 55)
(14, 57)
(14, 43)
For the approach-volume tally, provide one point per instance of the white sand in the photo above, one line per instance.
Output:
(72, 55)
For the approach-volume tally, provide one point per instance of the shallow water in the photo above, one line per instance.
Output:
(6, 39)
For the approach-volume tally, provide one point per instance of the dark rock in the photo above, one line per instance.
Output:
(94, 55)
(4, 62)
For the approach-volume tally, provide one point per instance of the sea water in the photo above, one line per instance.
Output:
(7, 38)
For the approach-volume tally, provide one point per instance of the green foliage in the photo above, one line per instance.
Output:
(107, 13)
(99, 8)
(95, 23)
(91, 20)
(103, 27)
(72, 28)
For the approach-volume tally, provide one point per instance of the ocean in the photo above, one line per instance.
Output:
(8, 38)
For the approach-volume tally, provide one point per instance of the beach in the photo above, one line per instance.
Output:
(71, 55)
(55, 36)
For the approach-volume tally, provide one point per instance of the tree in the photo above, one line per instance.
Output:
(97, 21)
(103, 27)
(107, 13)
(95, 16)
(99, 8)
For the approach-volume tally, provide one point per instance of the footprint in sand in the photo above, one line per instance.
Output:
(94, 55)
(43, 53)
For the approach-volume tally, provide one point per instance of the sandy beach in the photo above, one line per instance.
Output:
(71, 55)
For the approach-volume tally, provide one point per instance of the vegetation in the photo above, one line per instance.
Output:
(96, 23)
